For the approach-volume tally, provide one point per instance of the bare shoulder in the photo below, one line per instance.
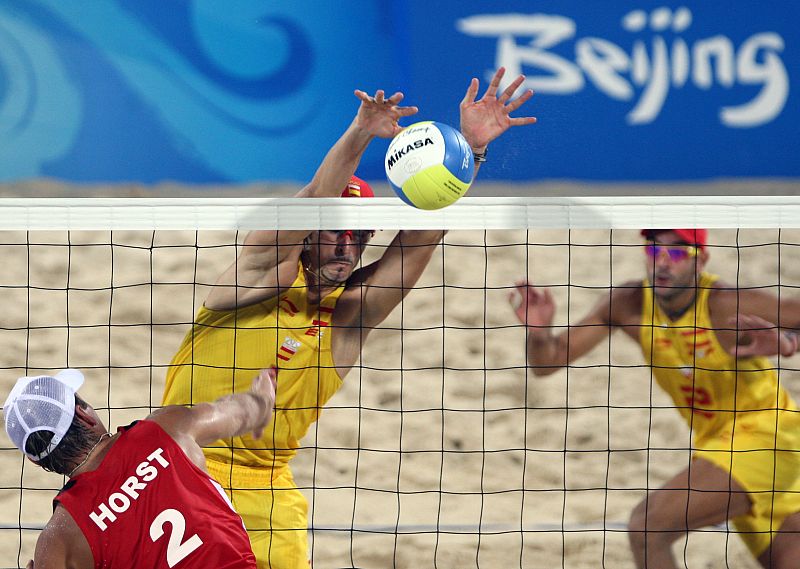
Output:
(55, 533)
(62, 544)
(174, 419)
(182, 424)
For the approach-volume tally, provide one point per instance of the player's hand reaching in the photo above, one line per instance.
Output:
(379, 116)
(534, 307)
(487, 118)
(759, 337)
(263, 387)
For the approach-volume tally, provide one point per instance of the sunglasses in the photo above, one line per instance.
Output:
(675, 252)
(356, 235)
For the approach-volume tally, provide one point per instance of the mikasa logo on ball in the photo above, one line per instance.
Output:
(398, 153)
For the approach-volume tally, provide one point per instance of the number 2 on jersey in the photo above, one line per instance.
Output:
(177, 549)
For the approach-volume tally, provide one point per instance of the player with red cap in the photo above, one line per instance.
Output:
(706, 343)
(299, 300)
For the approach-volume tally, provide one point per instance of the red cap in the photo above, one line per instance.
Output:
(697, 237)
(357, 188)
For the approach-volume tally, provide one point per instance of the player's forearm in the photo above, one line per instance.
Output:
(416, 250)
(339, 164)
(232, 416)
(421, 238)
(253, 410)
(545, 355)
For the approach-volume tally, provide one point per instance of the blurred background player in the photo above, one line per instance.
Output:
(706, 342)
(295, 299)
(140, 497)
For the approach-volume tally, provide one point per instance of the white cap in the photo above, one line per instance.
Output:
(41, 403)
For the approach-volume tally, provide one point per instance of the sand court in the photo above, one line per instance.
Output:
(441, 427)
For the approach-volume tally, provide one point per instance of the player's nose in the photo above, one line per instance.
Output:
(346, 238)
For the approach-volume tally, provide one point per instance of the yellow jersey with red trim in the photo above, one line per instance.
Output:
(225, 350)
(710, 387)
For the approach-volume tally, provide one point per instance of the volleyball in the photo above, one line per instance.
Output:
(429, 165)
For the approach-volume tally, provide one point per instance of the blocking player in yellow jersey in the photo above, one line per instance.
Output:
(706, 343)
(294, 300)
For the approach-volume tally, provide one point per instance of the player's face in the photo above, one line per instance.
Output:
(336, 253)
(672, 266)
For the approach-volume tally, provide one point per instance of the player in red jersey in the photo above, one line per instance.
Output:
(140, 497)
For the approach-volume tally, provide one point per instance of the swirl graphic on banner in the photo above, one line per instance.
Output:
(214, 87)
(40, 108)
(181, 28)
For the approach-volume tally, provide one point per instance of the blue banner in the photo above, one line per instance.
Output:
(206, 91)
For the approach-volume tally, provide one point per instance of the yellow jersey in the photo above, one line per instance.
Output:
(714, 391)
(224, 351)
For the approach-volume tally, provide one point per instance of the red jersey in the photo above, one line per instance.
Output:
(148, 506)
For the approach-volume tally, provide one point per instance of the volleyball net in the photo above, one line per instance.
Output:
(441, 448)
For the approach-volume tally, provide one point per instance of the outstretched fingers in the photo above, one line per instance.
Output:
(517, 103)
(407, 111)
(362, 96)
(395, 99)
(472, 92)
(380, 100)
(520, 121)
(495, 83)
(509, 91)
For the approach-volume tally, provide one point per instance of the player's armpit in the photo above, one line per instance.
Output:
(395, 274)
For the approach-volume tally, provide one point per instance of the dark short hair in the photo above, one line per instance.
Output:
(73, 446)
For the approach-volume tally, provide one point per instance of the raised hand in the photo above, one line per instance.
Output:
(379, 116)
(264, 388)
(487, 118)
(534, 307)
(760, 337)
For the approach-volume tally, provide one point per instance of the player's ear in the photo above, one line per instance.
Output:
(702, 255)
(87, 415)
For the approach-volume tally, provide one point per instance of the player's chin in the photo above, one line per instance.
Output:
(338, 272)
(666, 292)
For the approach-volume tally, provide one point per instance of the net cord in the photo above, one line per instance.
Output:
(610, 212)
